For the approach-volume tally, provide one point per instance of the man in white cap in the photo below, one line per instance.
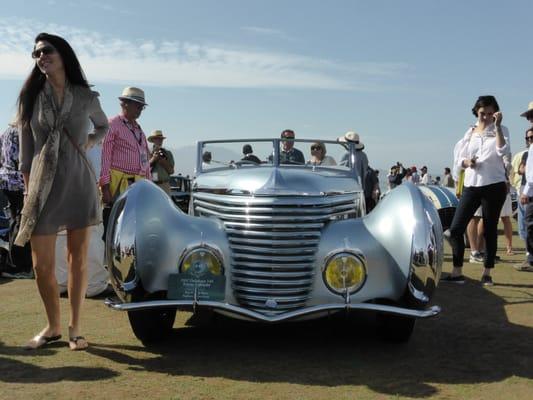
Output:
(125, 153)
(161, 161)
(361, 160)
(526, 199)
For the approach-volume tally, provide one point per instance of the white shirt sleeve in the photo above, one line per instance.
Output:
(528, 187)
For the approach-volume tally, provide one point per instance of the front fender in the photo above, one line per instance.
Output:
(402, 244)
(408, 226)
(147, 236)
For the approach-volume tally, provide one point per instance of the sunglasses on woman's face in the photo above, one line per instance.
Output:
(316, 148)
(530, 138)
(46, 50)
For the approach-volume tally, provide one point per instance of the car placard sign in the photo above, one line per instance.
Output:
(186, 286)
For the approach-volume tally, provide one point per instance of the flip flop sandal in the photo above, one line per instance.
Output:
(40, 341)
(73, 343)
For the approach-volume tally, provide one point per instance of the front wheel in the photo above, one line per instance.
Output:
(395, 328)
(152, 325)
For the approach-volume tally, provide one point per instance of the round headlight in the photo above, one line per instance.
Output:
(201, 260)
(344, 272)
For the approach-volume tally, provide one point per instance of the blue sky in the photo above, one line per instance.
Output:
(403, 74)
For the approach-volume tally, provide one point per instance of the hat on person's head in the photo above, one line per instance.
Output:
(247, 149)
(529, 110)
(133, 94)
(157, 134)
(351, 137)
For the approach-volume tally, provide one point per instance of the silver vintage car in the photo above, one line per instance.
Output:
(274, 240)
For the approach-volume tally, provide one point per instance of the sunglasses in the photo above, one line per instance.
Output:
(529, 138)
(288, 137)
(316, 148)
(136, 104)
(46, 50)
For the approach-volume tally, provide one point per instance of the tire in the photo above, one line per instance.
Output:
(153, 325)
(395, 328)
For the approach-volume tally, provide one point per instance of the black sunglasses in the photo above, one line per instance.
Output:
(136, 104)
(529, 137)
(316, 148)
(46, 50)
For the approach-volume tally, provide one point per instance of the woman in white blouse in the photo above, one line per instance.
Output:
(481, 154)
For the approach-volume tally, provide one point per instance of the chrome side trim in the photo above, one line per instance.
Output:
(252, 315)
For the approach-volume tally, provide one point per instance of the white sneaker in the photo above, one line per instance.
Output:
(476, 258)
(524, 267)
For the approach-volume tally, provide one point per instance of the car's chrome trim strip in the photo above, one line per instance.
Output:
(313, 201)
(429, 312)
(316, 210)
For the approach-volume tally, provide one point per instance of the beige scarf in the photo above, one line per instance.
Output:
(43, 173)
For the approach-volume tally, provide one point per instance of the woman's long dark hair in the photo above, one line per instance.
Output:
(35, 82)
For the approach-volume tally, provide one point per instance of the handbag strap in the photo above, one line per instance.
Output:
(82, 153)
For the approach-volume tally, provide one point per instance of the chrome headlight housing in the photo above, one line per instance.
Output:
(344, 272)
(201, 260)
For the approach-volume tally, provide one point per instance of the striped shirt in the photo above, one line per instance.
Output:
(124, 149)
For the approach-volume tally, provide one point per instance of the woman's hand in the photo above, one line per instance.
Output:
(470, 163)
(498, 116)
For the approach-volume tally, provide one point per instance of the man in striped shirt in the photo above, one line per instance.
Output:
(125, 153)
(125, 148)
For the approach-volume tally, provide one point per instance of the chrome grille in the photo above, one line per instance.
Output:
(273, 241)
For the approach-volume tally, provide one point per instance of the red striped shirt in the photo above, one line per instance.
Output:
(125, 149)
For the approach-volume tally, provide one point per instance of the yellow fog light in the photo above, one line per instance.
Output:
(344, 272)
(201, 260)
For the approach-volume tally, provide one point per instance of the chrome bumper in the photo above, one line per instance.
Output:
(255, 316)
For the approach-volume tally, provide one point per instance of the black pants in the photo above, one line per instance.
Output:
(20, 257)
(491, 199)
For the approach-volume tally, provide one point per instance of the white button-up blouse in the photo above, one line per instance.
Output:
(490, 167)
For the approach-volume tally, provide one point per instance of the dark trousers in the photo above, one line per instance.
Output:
(370, 203)
(528, 221)
(491, 199)
(20, 257)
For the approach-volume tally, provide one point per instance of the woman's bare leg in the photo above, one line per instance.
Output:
(43, 256)
(508, 233)
(77, 247)
(471, 232)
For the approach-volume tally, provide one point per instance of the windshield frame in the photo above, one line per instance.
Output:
(276, 143)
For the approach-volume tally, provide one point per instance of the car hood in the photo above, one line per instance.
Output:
(270, 181)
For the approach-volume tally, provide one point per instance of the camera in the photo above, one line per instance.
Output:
(161, 154)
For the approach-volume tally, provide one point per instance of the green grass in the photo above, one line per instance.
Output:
(479, 347)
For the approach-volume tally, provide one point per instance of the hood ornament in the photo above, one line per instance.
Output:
(271, 303)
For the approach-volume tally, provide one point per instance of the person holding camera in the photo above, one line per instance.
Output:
(161, 161)
(396, 174)
(481, 153)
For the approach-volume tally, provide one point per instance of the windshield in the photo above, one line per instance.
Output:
(257, 153)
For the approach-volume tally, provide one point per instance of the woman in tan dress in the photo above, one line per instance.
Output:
(56, 107)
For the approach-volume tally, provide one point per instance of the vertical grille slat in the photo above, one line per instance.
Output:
(273, 241)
